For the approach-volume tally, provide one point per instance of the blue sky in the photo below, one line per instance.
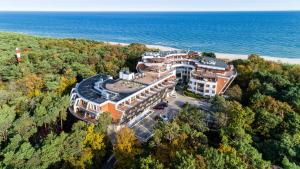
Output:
(148, 5)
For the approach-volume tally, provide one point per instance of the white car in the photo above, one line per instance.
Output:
(164, 117)
(174, 95)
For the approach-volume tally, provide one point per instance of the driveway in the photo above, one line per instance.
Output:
(180, 100)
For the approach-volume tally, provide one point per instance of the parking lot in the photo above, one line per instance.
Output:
(177, 102)
(144, 128)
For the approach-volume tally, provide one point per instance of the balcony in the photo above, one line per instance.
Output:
(144, 96)
(84, 115)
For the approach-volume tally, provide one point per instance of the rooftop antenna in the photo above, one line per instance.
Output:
(18, 55)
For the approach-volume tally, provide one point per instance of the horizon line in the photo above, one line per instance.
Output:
(292, 10)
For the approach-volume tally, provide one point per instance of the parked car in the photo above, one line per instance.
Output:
(174, 95)
(164, 117)
(160, 106)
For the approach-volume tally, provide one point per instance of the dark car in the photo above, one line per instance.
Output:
(158, 107)
(161, 106)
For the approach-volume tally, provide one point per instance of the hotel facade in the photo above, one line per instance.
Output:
(130, 97)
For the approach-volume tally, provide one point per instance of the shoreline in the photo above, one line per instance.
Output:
(231, 57)
(160, 47)
(225, 56)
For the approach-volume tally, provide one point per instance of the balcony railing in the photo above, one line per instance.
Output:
(146, 95)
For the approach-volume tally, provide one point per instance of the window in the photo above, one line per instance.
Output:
(207, 85)
(206, 91)
(214, 86)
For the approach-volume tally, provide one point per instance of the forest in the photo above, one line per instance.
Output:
(256, 126)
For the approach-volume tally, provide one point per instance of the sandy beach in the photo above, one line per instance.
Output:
(160, 47)
(224, 56)
(270, 58)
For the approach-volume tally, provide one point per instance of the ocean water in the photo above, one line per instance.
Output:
(267, 33)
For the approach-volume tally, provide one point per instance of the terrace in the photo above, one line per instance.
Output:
(84, 115)
(204, 74)
(124, 86)
(145, 95)
(150, 77)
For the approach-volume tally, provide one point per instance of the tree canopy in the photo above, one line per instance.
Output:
(258, 125)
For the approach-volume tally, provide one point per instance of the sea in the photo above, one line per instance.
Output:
(274, 34)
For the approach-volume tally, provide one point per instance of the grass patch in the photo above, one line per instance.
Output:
(188, 93)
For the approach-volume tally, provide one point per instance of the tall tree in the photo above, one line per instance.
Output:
(7, 116)
(126, 148)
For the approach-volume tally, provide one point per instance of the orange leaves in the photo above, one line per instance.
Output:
(226, 149)
(32, 84)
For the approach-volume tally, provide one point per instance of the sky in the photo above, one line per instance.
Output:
(148, 5)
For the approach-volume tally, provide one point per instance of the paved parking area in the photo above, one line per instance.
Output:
(144, 128)
(180, 100)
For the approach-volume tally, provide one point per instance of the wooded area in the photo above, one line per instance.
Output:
(257, 127)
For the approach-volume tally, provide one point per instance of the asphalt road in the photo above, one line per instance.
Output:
(180, 100)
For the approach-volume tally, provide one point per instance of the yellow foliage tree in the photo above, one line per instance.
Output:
(226, 149)
(126, 148)
(84, 160)
(93, 140)
(32, 84)
(68, 79)
(93, 145)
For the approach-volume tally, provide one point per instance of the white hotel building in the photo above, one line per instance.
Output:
(132, 94)
(204, 75)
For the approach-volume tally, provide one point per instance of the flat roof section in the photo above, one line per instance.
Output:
(165, 53)
(123, 86)
(151, 77)
(86, 89)
(217, 62)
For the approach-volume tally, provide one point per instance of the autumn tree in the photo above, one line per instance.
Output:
(126, 148)
(235, 93)
(149, 163)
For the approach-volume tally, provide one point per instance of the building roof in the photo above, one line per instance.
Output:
(121, 87)
(209, 61)
(124, 88)
(86, 89)
(165, 53)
